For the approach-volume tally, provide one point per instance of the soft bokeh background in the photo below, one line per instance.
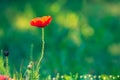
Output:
(83, 37)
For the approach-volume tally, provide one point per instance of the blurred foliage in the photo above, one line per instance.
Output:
(2, 69)
(84, 36)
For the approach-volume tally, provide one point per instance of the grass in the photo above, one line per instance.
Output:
(30, 74)
(32, 70)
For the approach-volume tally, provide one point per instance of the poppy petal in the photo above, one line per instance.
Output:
(41, 21)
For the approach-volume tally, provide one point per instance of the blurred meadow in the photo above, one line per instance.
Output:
(83, 37)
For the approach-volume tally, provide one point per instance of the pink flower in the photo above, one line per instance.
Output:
(5, 78)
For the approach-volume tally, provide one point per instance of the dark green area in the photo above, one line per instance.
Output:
(83, 37)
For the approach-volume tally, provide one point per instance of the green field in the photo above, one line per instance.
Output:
(83, 38)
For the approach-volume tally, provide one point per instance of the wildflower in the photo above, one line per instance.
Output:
(41, 22)
(2, 77)
(5, 78)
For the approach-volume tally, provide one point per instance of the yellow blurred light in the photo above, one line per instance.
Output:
(69, 20)
(67, 77)
(114, 49)
(113, 8)
(22, 23)
(74, 35)
(22, 20)
(55, 7)
(85, 28)
(72, 20)
(87, 31)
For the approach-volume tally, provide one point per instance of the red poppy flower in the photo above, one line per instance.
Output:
(2, 77)
(5, 78)
(41, 21)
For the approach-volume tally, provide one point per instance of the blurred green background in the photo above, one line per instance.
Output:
(83, 37)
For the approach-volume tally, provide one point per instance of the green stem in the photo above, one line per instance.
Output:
(31, 52)
(43, 42)
(7, 69)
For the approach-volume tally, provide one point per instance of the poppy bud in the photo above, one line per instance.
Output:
(6, 53)
(30, 65)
